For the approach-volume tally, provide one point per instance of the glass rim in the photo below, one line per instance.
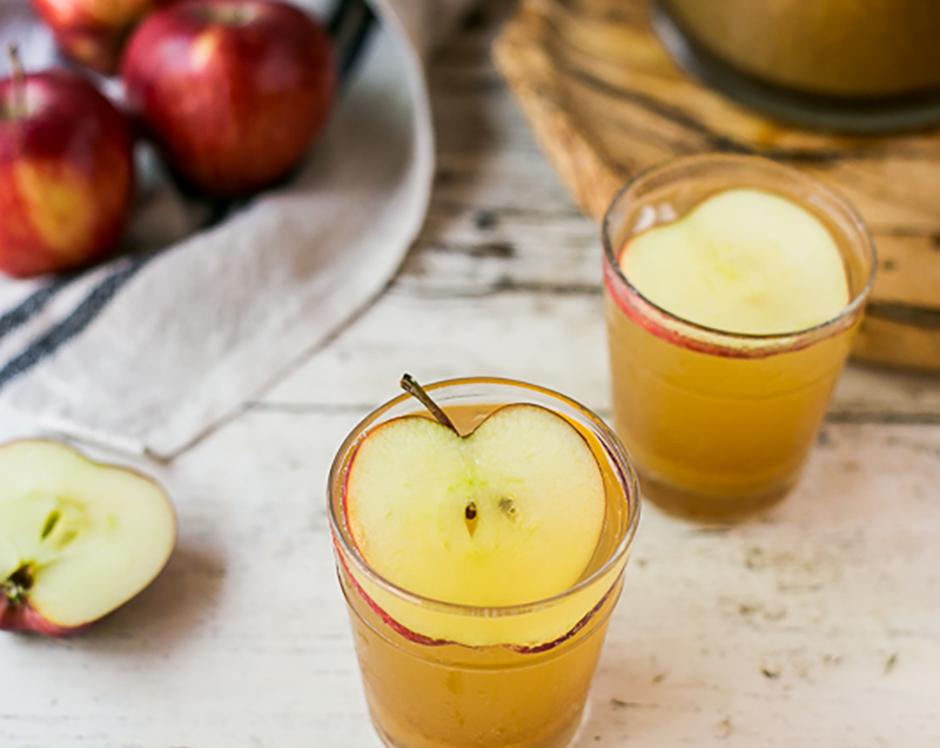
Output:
(856, 302)
(611, 444)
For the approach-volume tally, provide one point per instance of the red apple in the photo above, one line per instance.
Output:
(232, 91)
(78, 539)
(66, 173)
(93, 32)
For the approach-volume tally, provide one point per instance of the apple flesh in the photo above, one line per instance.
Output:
(77, 539)
(232, 91)
(741, 261)
(93, 32)
(507, 515)
(66, 173)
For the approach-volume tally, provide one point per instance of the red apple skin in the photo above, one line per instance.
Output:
(417, 638)
(232, 91)
(24, 618)
(66, 174)
(93, 32)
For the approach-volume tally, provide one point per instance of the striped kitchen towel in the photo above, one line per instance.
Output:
(213, 302)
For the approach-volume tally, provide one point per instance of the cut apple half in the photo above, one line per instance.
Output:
(506, 516)
(78, 539)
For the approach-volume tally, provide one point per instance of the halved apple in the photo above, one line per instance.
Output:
(742, 261)
(507, 515)
(78, 539)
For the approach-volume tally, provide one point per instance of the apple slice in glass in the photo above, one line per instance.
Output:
(742, 261)
(78, 539)
(507, 515)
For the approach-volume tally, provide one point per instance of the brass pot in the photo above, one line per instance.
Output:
(849, 49)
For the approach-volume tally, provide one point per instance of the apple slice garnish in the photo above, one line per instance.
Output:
(742, 261)
(78, 539)
(507, 515)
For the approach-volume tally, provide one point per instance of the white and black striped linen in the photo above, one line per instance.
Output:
(210, 302)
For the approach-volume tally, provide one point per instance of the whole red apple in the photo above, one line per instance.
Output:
(66, 173)
(93, 32)
(232, 91)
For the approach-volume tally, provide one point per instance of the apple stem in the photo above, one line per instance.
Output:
(19, 81)
(410, 385)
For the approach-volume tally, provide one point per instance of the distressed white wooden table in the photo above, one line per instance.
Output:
(817, 626)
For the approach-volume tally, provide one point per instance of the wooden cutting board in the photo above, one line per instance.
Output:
(606, 99)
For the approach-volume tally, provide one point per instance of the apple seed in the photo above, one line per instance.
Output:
(51, 521)
(470, 515)
(508, 507)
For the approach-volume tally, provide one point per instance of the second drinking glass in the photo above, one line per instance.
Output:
(719, 423)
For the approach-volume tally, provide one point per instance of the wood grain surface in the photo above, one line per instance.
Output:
(817, 625)
(606, 100)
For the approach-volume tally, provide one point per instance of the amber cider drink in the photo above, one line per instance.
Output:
(528, 689)
(719, 423)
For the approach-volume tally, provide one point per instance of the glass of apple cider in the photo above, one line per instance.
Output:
(733, 287)
(443, 673)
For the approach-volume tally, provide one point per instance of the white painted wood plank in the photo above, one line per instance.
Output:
(791, 629)
(555, 339)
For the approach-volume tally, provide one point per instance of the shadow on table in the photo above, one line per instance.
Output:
(177, 601)
(164, 614)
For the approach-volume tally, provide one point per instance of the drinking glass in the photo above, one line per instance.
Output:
(719, 424)
(441, 674)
